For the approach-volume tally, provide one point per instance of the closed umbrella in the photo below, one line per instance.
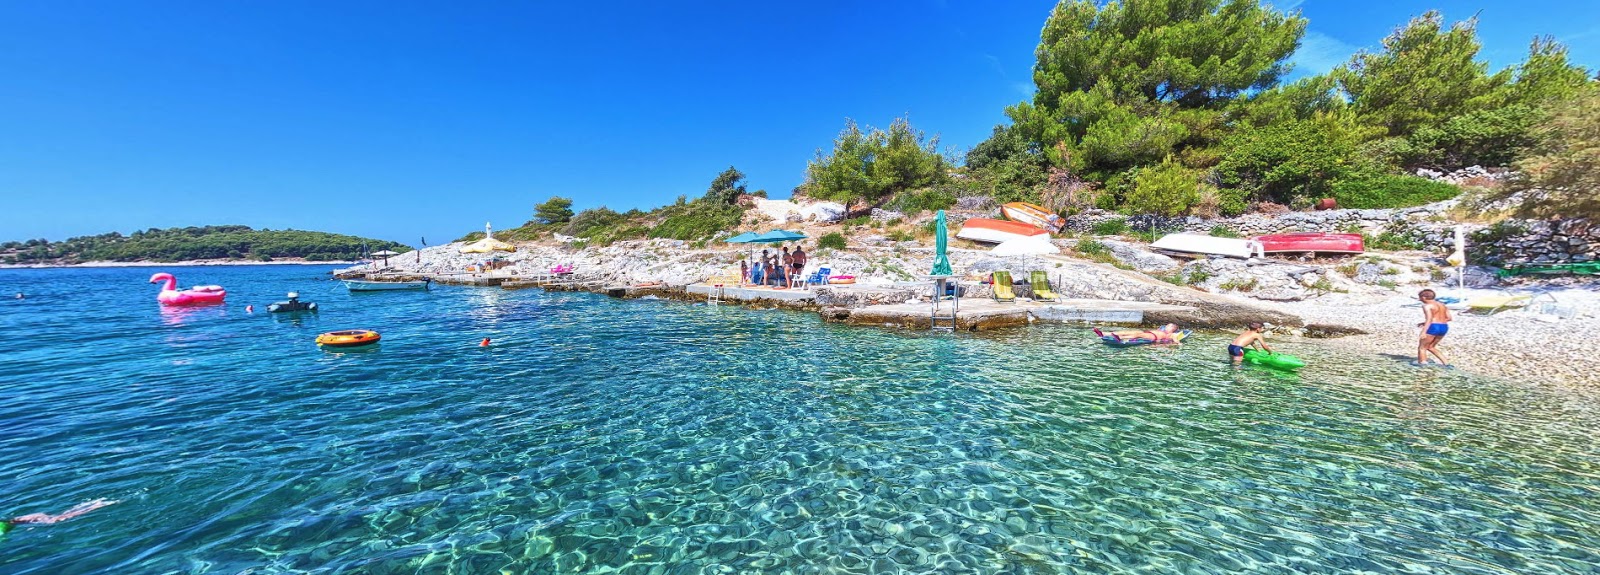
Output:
(941, 262)
(487, 244)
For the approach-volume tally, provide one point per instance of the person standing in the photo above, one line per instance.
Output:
(744, 271)
(1435, 324)
(799, 257)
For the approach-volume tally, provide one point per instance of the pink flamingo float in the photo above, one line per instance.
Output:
(196, 295)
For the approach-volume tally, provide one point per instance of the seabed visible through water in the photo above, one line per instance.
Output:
(602, 435)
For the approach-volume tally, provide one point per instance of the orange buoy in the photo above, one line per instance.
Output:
(484, 343)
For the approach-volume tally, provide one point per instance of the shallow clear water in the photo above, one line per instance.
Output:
(600, 435)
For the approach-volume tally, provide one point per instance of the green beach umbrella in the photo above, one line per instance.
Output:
(941, 262)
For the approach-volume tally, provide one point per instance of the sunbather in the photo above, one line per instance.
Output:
(1163, 335)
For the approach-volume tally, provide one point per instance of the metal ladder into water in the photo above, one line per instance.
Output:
(939, 318)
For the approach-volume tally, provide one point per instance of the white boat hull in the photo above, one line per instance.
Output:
(1208, 245)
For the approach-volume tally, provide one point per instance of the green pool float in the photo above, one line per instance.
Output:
(1273, 360)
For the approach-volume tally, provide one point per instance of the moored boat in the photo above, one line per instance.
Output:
(363, 285)
(1203, 245)
(1033, 215)
(996, 231)
(1317, 242)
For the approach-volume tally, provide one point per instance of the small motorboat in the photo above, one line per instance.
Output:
(294, 304)
(197, 295)
(364, 285)
(1312, 242)
(348, 338)
(1033, 215)
(1203, 245)
(993, 231)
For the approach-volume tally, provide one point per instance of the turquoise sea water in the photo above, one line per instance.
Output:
(598, 436)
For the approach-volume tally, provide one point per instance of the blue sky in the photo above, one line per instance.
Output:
(404, 119)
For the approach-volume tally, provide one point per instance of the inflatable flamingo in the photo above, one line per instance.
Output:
(193, 296)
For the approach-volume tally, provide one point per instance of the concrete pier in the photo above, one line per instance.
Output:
(984, 314)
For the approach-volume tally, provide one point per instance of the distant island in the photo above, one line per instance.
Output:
(195, 243)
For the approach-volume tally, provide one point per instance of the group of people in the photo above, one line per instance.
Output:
(775, 269)
(1435, 324)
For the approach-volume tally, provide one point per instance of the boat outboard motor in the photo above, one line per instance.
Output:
(294, 304)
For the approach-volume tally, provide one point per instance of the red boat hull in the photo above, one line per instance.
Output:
(1312, 242)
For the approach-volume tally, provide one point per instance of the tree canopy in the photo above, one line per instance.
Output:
(876, 164)
(1171, 91)
(555, 210)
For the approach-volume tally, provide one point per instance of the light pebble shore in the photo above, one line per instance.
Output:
(1519, 344)
(282, 262)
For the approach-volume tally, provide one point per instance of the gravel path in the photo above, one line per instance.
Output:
(1521, 345)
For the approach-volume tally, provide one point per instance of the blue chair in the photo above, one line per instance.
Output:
(819, 278)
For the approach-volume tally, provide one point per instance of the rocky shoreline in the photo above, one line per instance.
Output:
(1365, 301)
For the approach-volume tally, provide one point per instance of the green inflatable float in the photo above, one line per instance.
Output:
(1273, 360)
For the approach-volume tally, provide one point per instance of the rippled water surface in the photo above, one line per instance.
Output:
(598, 435)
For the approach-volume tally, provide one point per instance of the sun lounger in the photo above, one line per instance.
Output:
(1002, 287)
(1494, 303)
(1041, 286)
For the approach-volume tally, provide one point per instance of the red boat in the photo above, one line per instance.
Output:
(1318, 242)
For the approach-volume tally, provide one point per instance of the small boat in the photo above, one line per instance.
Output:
(1197, 244)
(1033, 215)
(996, 231)
(294, 304)
(362, 285)
(1312, 242)
(348, 338)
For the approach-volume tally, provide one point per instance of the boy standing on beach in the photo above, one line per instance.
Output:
(1436, 323)
(1250, 337)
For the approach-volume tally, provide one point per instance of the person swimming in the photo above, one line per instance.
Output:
(46, 519)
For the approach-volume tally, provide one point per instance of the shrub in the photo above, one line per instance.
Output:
(928, 199)
(834, 240)
(695, 220)
(857, 221)
(1390, 191)
(1168, 189)
(901, 236)
(1220, 231)
(1390, 241)
(1114, 227)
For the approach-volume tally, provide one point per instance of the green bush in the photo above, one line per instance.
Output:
(1220, 231)
(1114, 227)
(929, 199)
(1390, 191)
(696, 220)
(1167, 189)
(834, 240)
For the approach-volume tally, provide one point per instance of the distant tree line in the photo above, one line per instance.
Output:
(195, 243)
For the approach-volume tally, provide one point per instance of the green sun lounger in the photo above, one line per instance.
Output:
(1002, 287)
(1041, 287)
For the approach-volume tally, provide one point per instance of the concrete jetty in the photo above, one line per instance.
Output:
(985, 314)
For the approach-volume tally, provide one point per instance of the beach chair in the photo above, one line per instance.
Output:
(820, 277)
(1488, 305)
(1002, 287)
(1041, 287)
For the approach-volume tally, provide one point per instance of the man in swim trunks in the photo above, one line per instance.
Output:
(1250, 337)
(1435, 323)
(1163, 335)
(799, 257)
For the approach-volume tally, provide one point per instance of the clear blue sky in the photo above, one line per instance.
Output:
(400, 119)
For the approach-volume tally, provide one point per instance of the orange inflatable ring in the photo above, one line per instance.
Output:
(349, 338)
(840, 280)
